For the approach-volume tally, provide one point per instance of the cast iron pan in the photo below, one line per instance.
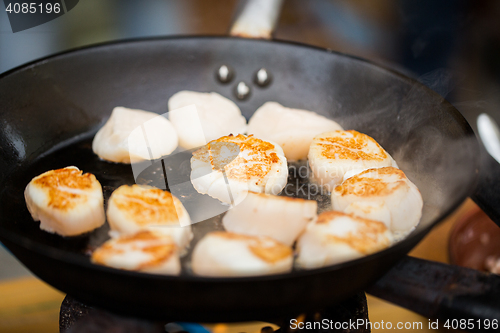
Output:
(51, 108)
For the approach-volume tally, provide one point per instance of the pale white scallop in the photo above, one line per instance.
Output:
(229, 167)
(145, 251)
(335, 156)
(337, 237)
(65, 201)
(215, 115)
(132, 135)
(227, 254)
(134, 208)
(292, 129)
(278, 217)
(383, 194)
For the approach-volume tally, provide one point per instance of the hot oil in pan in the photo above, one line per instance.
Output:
(113, 175)
(298, 186)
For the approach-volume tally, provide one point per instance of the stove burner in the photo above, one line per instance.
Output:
(76, 317)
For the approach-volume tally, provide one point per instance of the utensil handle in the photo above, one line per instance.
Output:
(440, 291)
(257, 19)
(487, 194)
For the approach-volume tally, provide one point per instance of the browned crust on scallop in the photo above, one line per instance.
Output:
(232, 236)
(54, 181)
(365, 240)
(327, 216)
(271, 254)
(261, 157)
(265, 248)
(146, 206)
(142, 235)
(159, 253)
(363, 185)
(102, 253)
(351, 148)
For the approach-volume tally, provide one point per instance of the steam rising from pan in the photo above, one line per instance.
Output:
(408, 122)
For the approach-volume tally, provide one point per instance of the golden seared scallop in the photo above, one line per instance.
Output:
(227, 254)
(132, 135)
(335, 156)
(134, 208)
(66, 201)
(229, 167)
(338, 237)
(215, 116)
(382, 194)
(145, 251)
(281, 218)
(292, 129)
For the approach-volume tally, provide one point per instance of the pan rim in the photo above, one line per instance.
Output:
(75, 259)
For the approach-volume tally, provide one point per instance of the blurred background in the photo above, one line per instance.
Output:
(452, 46)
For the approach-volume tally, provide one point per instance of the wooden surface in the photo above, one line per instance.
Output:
(30, 305)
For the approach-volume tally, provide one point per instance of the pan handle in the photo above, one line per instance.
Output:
(257, 19)
(443, 292)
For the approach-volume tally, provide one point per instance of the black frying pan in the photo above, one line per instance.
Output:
(51, 108)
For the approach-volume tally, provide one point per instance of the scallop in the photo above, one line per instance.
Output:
(66, 201)
(292, 129)
(278, 217)
(229, 167)
(383, 194)
(145, 251)
(134, 208)
(335, 156)
(132, 135)
(337, 237)
(228, 254)
(214, 116)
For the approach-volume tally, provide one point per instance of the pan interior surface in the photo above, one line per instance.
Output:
(52, 108)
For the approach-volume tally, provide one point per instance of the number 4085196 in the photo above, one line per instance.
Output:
(33, 7)
(471, 324)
